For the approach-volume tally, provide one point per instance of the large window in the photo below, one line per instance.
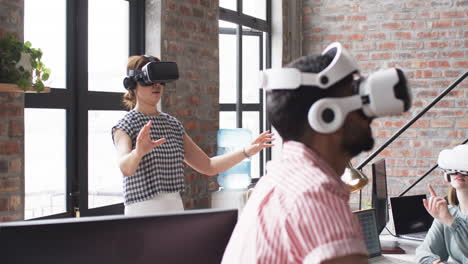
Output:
(70, 163)
(244, 50)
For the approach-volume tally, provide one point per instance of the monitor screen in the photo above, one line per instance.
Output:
(197, 236)
(379, 193)
(409, 214)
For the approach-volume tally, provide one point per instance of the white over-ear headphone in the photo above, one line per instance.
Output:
(327, 115)
(383, 93)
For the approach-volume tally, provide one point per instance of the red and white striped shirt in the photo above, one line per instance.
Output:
(298, 213)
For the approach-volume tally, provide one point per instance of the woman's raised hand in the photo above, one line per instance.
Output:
(144, 144)
(262, 141)
(438, 208)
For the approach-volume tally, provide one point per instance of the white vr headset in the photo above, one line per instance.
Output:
(453, 161)
(383, 93)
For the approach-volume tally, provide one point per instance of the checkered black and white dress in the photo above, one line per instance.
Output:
(161, 170)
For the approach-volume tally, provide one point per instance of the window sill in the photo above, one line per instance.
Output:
(13, 88)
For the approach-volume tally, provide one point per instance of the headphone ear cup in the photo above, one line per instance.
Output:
(129, 83)
(326, 116)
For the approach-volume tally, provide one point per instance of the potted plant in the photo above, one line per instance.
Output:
(21, 64)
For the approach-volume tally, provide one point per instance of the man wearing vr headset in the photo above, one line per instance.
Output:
(448, 234)
(152, 146)
(322, 108)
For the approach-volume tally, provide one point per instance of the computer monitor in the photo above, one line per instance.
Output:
(379, 193)
(198, 236)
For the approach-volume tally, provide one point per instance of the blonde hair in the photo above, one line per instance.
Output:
(135, 63)
(452, 196)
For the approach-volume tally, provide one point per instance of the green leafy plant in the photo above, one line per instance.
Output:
(13, 51)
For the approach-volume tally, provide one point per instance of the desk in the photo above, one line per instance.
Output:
(408, 245)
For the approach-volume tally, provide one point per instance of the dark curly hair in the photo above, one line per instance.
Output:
(287, 109)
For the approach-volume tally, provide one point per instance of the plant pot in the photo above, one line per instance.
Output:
(24, 64)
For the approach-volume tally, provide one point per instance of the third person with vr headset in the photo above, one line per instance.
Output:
(448, 235)
(152, 146)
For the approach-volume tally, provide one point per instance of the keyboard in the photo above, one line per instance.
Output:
(415, 236)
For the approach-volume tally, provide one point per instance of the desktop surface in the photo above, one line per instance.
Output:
(408, 245)
(408, 257)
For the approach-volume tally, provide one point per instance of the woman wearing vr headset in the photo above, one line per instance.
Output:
(448, 235)
(152, 146)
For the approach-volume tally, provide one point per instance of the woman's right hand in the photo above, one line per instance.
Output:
(438, 208)
(144, 144)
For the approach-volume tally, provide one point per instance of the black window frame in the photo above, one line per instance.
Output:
(259, 27)
(76, 100)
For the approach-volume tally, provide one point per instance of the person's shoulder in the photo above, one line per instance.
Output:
(130, 115)
(125, 118)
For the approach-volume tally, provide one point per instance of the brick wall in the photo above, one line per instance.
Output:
(189, 36)
(11, 127)
(428, 39)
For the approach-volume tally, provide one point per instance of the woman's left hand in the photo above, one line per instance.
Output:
(262, 141)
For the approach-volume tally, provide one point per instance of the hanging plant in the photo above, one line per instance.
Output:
(21, 64)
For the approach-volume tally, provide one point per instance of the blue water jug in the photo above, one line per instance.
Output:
(229, 140)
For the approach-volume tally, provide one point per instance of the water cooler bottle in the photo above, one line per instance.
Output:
(229, 140)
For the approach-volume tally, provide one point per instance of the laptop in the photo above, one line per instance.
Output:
(410, 218)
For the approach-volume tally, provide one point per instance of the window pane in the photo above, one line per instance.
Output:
(105, 178)
(255, 8)
(227, 68)
(44, 27)
(225, 24)
(250, 68)
(229, 4)
(107, 45)
(251, 121)
(45, 162)
(227, 119)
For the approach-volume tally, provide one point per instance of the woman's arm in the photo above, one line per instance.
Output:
(433, 248)
(196, 158)
(129, 158)
(459, 229)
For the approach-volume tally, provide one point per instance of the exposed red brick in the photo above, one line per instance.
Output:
(15, 203)
(9, 147)
(9, 185)
(461, 124)
(4, 128)
(441, 123)
(15, 165)
(16, 128)
(403, 35)
(442, 24)
(3, 204)
(391, 25)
